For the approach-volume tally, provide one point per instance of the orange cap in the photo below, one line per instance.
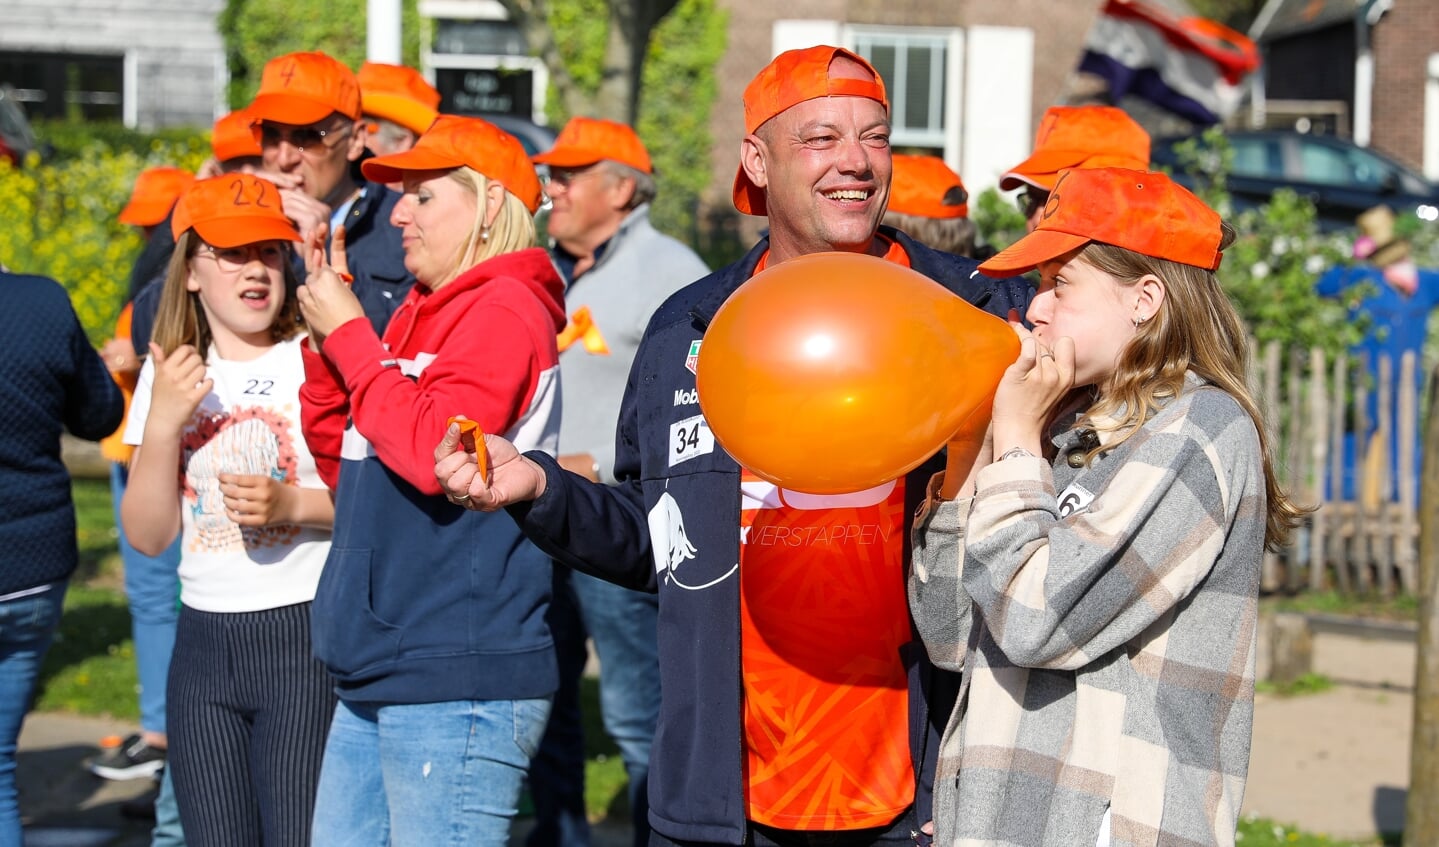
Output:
(233, 137)
(924, 186)
(454, 141)
(585, 141)
(233, 210)
(1080, 137)
(154, 195)
(305, 88)
(398, 93)
(1142, 211)
(792, 78)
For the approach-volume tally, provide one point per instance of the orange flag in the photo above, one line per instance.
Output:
(582, 328)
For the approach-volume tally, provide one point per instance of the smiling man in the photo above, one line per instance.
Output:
(796, 707)
(312, 139)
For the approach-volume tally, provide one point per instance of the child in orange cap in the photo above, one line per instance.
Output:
(398, 105)
(234, 146)
(154, 195)
(1096, 580)
(217, 407)
(927, 200)
(431, 618)
(1075, 137)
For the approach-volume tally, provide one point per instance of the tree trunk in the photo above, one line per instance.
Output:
(1421, 827)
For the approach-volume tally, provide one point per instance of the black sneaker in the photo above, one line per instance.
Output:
(130, 759)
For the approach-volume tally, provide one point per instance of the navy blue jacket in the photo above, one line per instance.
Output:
(50, 379)
(376, 256)
(696, 780)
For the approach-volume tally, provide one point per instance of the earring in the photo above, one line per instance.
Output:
(1138, 321)
(484, 235)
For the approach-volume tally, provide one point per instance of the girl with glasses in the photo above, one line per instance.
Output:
(217, 410)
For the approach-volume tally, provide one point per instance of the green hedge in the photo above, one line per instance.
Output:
(58, 216)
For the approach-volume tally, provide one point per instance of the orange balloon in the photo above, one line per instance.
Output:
(836, 372)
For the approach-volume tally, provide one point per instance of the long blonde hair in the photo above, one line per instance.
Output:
(180, 318)
(513, 228)
(1195, 329)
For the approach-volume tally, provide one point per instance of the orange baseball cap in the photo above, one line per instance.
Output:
(233, 137)
(398, 93)
(926, 187)
(305, 88)
(585, 141)
(454, 141)
(1142, 211)
(154, 195)
(233, 210)
(792, 78)
(1080, 137)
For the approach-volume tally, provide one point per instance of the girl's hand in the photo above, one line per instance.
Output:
(325, 299)
(180, 385)
(258, 499)
(1030, 390)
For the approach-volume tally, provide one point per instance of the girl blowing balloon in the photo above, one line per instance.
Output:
(433, 617)
(1094, 569)
(217, 409)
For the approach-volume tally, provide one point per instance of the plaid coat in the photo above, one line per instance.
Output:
(1104, 618)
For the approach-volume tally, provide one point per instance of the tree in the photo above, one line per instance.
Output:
(627, 26)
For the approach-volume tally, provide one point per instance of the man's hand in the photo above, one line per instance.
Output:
(119, 356)
(258, 499)
(307, 212)
(511, 478)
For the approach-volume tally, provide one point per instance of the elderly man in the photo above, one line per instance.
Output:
(795, 699)
(312, 138)
(619, 269)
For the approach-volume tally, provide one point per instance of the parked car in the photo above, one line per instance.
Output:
(16, 139)
(1342, 178)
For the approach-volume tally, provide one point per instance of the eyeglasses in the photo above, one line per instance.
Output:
(1031, 201)
(304, 138)
(231, 260)
(564, 177)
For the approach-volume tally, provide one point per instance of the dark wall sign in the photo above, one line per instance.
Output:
(475, 91)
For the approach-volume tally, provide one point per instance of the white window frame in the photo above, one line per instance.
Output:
(945, 100)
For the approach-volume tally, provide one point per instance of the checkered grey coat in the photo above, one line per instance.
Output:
(1104, 619)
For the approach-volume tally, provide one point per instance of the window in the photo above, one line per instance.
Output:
(66, 85)
(915, 65)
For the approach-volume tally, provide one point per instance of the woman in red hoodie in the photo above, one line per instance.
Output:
(431, 617)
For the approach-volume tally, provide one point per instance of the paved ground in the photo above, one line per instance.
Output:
(1335, 762)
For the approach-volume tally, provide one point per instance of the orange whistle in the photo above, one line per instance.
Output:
(481, 456)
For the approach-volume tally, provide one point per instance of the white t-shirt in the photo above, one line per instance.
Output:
(249, 423)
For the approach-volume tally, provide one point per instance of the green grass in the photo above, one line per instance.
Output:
(1404, 607)
(1310, 683)
(1262, 832)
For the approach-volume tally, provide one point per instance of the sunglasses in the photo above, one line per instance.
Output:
(563, 177)
(304, 138)
(1031, 201)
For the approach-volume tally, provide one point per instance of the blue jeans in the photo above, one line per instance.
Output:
(152, 588)
(167, 832)
(427, 774)
(623, 625)
(27, 626)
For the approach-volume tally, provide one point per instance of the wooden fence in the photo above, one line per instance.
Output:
(1366, 540)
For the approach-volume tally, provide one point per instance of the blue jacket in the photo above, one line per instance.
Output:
(696, 780)
(376, 256)
(51, 379)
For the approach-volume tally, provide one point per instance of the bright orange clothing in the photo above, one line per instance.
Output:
(824, 615)
(894, 254)
(113, 446)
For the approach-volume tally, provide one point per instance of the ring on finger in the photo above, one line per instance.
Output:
(460, 498)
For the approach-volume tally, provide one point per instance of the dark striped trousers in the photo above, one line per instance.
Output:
(248, 710)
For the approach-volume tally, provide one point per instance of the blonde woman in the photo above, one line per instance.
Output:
(433, 617)
(1093, 570)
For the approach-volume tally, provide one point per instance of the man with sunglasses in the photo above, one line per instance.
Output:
(308, 120)
(1075, 137)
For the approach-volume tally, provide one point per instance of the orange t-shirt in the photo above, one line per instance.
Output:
(824, 614)
(113, 446)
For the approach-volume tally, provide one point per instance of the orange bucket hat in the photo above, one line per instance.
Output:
(233, 137)
(454, 141)
(1142, 211)
(792, 78)
(1080, 137)
(398, 93)
(585, 141)
(924, 186)
(233, 210)
(154, 195)
(305, 88)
